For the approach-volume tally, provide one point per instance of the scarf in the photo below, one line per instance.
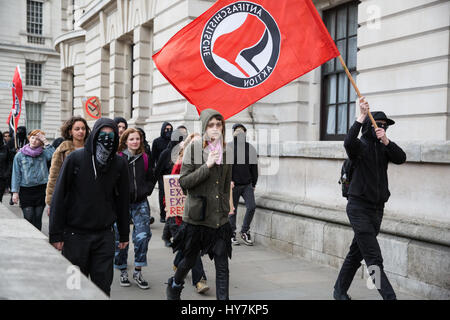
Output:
(105, 146)
(29, 151)
(216, 146)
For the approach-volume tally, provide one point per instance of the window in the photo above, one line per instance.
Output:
(34, 22)
(338, 95)
(33, 74)
(34, 116)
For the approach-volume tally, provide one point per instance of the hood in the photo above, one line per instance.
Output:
(118, 120)
(90, 144)
(239, 125)
(164, 125)
(176, 137)
(206, 115)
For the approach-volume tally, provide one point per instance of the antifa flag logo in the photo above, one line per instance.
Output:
(241, 44)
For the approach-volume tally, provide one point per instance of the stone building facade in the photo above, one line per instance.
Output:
(399, 53)
(27, 31)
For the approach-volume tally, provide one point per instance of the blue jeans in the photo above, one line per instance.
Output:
(140, 215)
(246, 191)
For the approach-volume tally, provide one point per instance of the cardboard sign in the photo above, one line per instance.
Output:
(92, 108)
(174, 196)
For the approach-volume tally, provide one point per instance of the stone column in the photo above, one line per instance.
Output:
(142, 78)
(116, 79)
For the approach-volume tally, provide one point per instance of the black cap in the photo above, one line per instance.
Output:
(239, 125)
(380, 115)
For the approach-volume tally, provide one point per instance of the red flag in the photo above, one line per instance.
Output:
(237, 52)
(17, 93)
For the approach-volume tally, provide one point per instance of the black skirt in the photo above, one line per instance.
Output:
(190, 237)
(32, 196)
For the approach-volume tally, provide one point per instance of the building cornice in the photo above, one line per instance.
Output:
(92, 11)
(72, 36)
(20, 48)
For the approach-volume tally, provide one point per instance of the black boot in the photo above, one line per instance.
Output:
(173, 293)
(340, 296)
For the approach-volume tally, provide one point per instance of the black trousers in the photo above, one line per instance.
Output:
(365, 220)
(34, 215)
(93, 253)
(4, 183)
(220, 262)
(162, 212)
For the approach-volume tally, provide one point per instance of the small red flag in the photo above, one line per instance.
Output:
(237, 52)
(17, 93)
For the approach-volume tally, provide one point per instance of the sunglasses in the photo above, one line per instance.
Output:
(110, 135)
(218, 125)
(382, 125)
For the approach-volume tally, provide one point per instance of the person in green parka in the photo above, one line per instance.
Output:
(205, 178)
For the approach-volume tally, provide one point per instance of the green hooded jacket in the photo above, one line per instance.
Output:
(207, 190)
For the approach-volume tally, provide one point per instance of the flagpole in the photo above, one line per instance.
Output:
(349, 75)
(15, 131)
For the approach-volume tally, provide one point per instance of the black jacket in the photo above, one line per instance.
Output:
(159, 145)
(141, 182)
(87, 199)
(6, 159)
(370, 181)
(245, 161)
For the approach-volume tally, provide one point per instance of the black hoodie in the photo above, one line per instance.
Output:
(160, 144)
(165, 163)
(245, 161)
(87, 199)
(370, 181)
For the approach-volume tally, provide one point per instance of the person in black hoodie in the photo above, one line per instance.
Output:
(158, 146)
(368, 192)
(91, 193)
(122, 124)
(244, 179)
(164, 167)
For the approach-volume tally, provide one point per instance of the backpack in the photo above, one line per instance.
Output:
(346, 175)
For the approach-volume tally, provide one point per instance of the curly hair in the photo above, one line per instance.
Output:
(124, 138)
(67, 127)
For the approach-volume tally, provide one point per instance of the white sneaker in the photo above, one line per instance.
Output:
(247, 238)
(234, 240)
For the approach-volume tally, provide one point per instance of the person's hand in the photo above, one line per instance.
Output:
(48, 211)
(381, 135)
(212, 158)
(15, 198)
(232, 184)
(363, 109)
(58, 245)
(123, 245)
(42, 138)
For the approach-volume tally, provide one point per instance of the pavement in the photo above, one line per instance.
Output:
(256, 273)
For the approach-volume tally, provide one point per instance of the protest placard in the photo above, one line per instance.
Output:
(174, 196)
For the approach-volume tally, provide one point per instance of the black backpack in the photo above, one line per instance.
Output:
(346, 175)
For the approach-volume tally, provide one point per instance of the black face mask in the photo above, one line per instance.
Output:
(167, 134)
(105, 146)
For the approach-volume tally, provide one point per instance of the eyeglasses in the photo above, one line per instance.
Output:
(218, 125)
